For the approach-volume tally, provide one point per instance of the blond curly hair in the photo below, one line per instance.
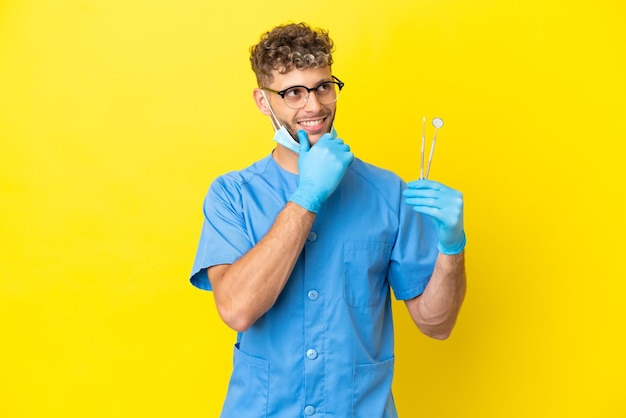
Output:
(294, 45)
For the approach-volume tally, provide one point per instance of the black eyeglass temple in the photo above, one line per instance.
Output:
(339, 82)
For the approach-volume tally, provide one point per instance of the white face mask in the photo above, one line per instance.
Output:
(282, 135)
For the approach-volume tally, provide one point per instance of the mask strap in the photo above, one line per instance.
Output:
(273, 118)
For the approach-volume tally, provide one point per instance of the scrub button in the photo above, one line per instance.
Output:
(312, 236)
(311, 354)
(309, 410)
(313, 294)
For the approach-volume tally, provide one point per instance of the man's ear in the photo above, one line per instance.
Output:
(261, 101)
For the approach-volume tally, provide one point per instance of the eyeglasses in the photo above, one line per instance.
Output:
(296, 97)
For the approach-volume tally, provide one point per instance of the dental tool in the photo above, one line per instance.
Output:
(437, 123)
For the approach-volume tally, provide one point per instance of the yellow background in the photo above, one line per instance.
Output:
(116, 115)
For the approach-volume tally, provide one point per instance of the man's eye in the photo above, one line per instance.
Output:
(324, 87)
(294, 93)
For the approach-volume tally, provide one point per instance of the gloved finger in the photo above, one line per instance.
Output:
(423, 201)
(342, 147)
(421, 193)
(447, 207)
(334, 142)
(434, 190)
(305, 145)
(330, 138)
(425, 184)
(427, 210)
(451, 200)
(450, 217)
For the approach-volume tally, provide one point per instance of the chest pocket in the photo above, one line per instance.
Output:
(365, 272)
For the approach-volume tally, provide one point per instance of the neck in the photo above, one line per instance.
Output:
(286, 159)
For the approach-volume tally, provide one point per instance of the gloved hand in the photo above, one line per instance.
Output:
(320, 168)
(445, 206)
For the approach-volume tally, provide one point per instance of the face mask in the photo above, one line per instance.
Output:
(282, 135)
(284, 138)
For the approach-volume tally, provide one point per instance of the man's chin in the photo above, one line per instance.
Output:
(313, 138)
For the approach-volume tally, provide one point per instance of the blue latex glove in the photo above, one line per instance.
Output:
(320, 168)
(445, 206)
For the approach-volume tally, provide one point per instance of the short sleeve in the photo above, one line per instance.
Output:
(223, 239)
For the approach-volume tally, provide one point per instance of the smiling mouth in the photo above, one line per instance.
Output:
(312, 123)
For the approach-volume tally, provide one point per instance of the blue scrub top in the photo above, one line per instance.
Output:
(326, 346)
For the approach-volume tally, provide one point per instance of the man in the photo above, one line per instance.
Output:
(301, 250)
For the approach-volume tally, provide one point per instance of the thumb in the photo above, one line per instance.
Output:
(305, 145)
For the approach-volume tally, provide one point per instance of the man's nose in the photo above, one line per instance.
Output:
(312, 104)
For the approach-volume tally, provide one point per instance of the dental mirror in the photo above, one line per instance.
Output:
(437, 123)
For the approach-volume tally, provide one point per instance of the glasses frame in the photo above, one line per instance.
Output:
(282, 93)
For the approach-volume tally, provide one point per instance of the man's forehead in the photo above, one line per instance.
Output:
(305, 77)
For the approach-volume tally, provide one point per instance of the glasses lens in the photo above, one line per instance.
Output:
(296, 97)
(327, 93)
